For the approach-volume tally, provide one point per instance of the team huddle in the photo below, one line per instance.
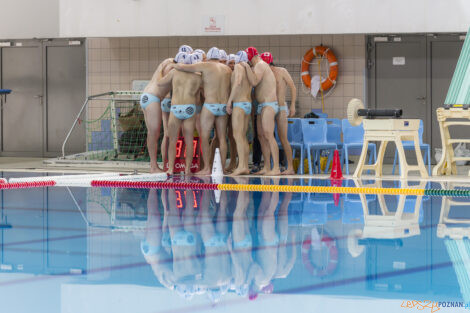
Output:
(220, 92)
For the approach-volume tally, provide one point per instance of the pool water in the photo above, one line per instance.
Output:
(139, 250)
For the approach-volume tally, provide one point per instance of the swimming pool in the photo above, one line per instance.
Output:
(140, 250)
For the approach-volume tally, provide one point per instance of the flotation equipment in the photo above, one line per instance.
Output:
(320, 52)
(330, 244)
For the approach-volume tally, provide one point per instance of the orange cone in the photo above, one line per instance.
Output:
(336, 172)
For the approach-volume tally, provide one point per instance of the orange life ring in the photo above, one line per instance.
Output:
(320, 51)
(330, 244)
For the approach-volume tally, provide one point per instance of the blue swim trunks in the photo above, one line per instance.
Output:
(218, 240)
(284, 108)
(198, 109)
(246, 106)
(183, 111)
(166, 105)
(218, 109)
(273, 105)
(245, 243)
(147, 249)
(183, 238)
(147, 98)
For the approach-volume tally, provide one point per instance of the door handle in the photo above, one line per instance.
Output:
(421, 98)
(39, 97)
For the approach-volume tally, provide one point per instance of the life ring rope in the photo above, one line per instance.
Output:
(330, 244)
(322, 52)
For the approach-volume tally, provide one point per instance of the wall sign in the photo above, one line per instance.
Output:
(399, 60)
(213, 24)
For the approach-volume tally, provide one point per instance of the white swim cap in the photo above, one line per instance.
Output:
(231, 57)
(182, 58)
(199, 51)
(241, 56)
(223, 55)
(185, 48)
(213, 54)
(195, 58)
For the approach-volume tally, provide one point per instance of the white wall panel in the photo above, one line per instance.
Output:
(23, 19)
(113, 18)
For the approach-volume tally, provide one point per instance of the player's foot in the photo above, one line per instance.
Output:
(288, 172)
(261, 172)
(204, 171)
(273, 172)
(240, 171)
(156, 170)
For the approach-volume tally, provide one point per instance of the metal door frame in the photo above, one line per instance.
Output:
(56, 43)
(16, 44)
(429, 39)
(41, 44)
(371, 68)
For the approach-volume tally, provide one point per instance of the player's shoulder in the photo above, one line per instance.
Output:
(239, 67)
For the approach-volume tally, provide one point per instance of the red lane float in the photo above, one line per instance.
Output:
(153, 185)
(24, 185)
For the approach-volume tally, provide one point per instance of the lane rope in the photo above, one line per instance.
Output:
(248, 187)
(282, 188)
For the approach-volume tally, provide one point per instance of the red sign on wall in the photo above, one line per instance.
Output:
(180, 159)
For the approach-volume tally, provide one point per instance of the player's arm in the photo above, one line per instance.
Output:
(162, 67)
(293, 91)
(190, 68)
(255, 75)
(235, 88)
(167, 80)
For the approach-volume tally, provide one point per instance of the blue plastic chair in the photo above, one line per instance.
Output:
(315, 140)
(295, 138)
(353, 140)
(320, 113)
(334, 135)
(315, 211)
(409, 145)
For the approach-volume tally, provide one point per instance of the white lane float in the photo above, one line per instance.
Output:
(86, 179)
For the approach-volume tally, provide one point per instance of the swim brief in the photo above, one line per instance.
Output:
(147, 98)
(246, 106)
(273, 105)
(218, 109)
(183, 111)
(166, 105)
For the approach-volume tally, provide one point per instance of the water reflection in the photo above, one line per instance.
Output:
(241, 246)
(201, 247)
(454, 228)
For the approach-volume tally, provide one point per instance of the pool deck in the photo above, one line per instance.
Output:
(24, 164)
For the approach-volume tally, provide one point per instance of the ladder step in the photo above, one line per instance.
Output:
(458, 141)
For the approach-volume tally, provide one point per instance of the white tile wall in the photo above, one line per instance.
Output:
(114, 62)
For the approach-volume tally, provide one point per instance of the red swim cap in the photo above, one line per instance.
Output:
(251, 52)
(267, 57)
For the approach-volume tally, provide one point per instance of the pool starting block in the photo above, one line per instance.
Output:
(456, 106)
(447, 165)
(387, 129)
(391, 130)
(391, 224)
